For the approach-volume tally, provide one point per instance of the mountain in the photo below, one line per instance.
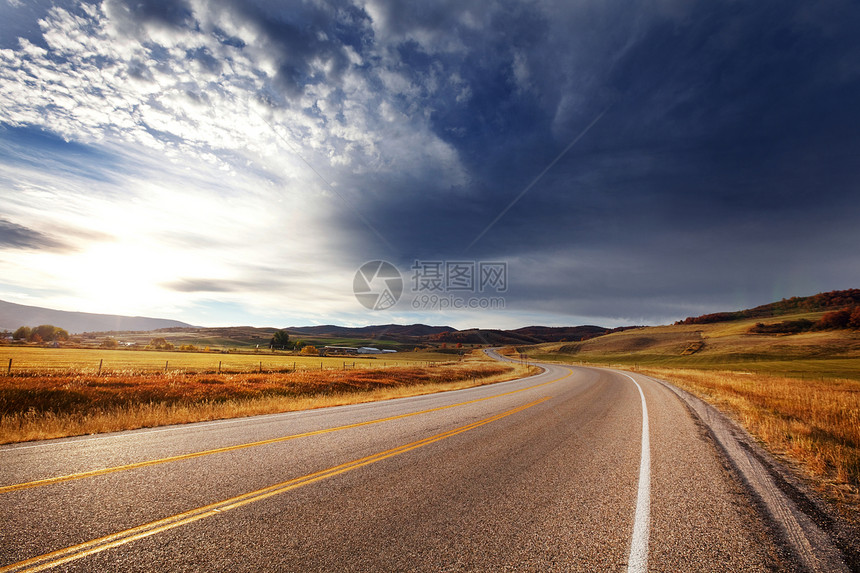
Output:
(450, 335)
(525, 335)
(382, 331)
(14, 315)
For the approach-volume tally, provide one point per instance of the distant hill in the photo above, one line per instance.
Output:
(800, 336)
(566, 333)
(450, 335)
(526, 335)
(383, 331)
(832, 300)
(14, 315)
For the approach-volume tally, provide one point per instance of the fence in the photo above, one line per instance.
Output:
(106, 368)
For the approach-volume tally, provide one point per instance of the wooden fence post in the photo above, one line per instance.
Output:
(165, 366)
(100, 366)
(219, 367)
(9, 370)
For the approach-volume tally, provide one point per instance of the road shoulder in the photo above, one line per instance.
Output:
(811, 535)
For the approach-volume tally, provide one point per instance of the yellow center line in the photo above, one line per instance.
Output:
(74, 552)
(136, 465)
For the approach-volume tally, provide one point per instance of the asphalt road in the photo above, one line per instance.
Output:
(546, 473)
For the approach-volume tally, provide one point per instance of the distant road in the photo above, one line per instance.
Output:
(546, 473)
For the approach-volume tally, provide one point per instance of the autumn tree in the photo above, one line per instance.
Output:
(49, 332)
(310, 350)
(22, 333)
(159, 344)
(44, 332)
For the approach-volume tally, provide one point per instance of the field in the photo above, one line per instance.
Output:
(798, 394)
(55, 392)
(234, 339)
(83, 360)
(814, 423)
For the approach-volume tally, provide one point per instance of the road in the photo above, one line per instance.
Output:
(546, 473)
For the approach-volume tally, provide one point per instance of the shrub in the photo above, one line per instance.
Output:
(785, 327)
(854, 321)
(834, 320)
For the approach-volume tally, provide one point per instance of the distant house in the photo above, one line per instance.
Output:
(334, 350)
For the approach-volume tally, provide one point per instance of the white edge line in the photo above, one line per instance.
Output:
(638, 560)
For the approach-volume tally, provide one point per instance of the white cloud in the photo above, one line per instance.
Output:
(209, 181)
(104, 75)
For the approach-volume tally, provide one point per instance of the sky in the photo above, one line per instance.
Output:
(238, 162)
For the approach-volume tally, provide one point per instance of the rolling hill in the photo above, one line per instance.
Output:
(753, 339)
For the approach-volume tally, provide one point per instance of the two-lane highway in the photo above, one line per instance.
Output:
(546, 473)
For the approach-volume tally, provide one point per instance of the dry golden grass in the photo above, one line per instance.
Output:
(815, 423)
(34, 407)
(29, 359)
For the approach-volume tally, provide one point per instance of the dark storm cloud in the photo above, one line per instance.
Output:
(299, 34)
(728, 157)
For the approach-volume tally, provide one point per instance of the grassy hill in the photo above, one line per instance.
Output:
(726, 345)
(832, 300)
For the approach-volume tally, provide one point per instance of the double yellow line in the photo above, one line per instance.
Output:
(75, 552)
(146, 463)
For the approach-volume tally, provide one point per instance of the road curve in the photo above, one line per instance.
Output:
(539, 474)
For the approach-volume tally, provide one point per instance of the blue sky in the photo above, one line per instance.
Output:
(235, 162)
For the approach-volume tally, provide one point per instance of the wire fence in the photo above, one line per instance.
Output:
(103, 367)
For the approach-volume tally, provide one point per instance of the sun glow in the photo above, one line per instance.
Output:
(120, 277)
